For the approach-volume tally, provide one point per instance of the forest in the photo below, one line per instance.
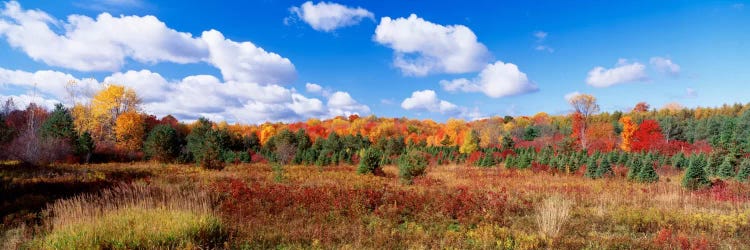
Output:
(77, 177)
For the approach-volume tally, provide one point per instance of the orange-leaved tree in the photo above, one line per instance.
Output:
(129, 131)
(628, 130)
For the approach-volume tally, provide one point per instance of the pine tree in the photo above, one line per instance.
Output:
(605, 169)
(695, 175)
(726, 169)
(647, 173)
(744, 172)
(634, 168)
(591, 168)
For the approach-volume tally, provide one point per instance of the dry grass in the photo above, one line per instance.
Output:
(133, 216)
(552, 214)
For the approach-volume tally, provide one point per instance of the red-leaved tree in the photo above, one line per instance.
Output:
(648, 136)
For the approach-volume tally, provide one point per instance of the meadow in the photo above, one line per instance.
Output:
(258, 206)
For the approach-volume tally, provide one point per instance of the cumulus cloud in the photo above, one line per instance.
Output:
(665, 66)
(422, 47)
(341, 103)
(427, 100)
(623, 72)
(327, 16)
(192, 97)
(495, 80)
(313, 88)
(246, 62)
(107, 42)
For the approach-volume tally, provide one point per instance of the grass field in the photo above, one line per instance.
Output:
(256, 206)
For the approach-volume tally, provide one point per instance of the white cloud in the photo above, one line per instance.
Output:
(422, 47)
(313, 88)
(246, 62)
(22, 101)
(541, 36)
(96, 45)
(427, 100)
(665, 66)
(570, 95)
(107, 42)
(623, 72)
(192, 97)
(341, 103)
(496, 80)
(544, 48)
(327, 16)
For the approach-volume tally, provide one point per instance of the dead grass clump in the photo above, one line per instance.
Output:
(552, 214)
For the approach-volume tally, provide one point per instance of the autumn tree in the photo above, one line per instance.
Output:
(471, 142)
(107, 105)
(628, 131)
(584, 105)
(641, 107)
(129, 131)
(647, 137)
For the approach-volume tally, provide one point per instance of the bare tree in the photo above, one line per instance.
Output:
(585, 106)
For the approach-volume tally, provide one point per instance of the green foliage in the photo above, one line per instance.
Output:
(605, 168)
(530, 133)
(508, 142)
(162, 144)
(744, 172)
(591, 168)
(695, 176)
(369, 161)
(206, 145)
(411, 164)
(85, 145)
(59, 125)
(648, 173)
(634, 168)
(726, 169)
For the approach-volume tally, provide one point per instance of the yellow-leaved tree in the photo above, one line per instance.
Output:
(107, 105)
(628, 130)
(129, 131)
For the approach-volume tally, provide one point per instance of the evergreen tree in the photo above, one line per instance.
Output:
(744, 172)
(205, 144)
(591, 168)
(508, 142)
(695, 175)
(370, 161)
(726, 169)
(162, 143)
(648, 173)
(634, 168)
(85, 146)
(605, 168)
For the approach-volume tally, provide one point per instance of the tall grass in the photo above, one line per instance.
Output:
(552, 214)
(134, 216)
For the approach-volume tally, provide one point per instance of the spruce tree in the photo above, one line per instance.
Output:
(695, 175)
(634, 168)
(591, 168)
(605, 169)
(726, 169)
(744, 170)
(647, 173)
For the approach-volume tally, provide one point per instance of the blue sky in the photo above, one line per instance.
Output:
(421, 59)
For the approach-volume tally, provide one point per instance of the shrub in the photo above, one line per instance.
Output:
(370, 161)
(647, 173)
(411, 164)
(162, 144)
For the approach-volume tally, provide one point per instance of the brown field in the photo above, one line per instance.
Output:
(254, 206)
